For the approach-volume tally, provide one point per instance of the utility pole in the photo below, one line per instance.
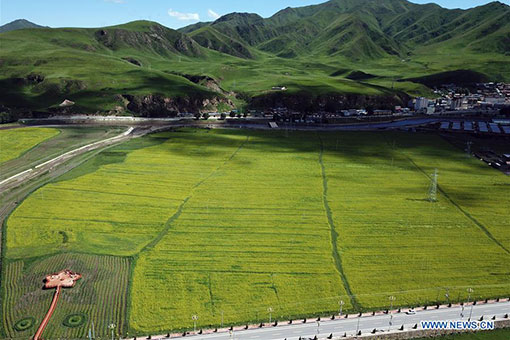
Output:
(270, 310)
(341, 303)
(112, 328)
(470, 290)
(468, 148)
(194, 318)
(433, 188)
(392, 298)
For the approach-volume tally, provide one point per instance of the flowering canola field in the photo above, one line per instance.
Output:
(232, 226)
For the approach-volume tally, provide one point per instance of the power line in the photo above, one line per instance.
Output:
(433, 187)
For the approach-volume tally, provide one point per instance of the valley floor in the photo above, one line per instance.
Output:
(232, 225)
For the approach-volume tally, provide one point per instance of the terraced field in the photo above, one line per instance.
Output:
(14, 142)
(226, 224)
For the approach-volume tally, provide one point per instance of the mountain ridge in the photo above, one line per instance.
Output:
(335, 54)
(397, 22)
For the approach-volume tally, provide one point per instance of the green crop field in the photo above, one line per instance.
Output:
(225, 224)
(14, 142)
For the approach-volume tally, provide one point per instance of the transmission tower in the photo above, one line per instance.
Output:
(433, 187)
(468, 148)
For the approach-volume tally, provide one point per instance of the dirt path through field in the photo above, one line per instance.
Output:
(48, 315)
(334, 234)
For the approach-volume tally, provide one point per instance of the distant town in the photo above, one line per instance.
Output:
(485, 96)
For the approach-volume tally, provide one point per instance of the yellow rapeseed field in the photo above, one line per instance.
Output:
(234, 225)
(14, 142)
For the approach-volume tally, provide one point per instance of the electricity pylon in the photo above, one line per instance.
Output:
(433, 187)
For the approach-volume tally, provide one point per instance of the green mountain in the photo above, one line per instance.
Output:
(18, 25)
(361, 29)
(102, 69)
(339, 54)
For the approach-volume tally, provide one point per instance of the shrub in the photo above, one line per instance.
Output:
(24, 324)
(74, 320)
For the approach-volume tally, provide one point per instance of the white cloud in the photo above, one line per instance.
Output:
(184, 16)
(115, 1)
(212, 14)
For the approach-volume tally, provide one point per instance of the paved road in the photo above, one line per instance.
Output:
(366, 324)
(39, 169)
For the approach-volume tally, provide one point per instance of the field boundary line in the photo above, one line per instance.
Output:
(223, 164)
(165, 231)
(333, 233)
(456, 205)
(178, 213)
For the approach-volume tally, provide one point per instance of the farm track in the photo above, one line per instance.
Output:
(459, 208)
(334, 234)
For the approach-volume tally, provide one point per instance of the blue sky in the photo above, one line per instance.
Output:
(171, 13)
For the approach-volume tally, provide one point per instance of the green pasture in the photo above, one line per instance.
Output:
(225, 224)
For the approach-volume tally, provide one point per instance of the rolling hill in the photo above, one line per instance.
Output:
(145, 68)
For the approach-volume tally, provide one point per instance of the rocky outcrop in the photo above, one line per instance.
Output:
(160, 106)
(158, 39)
(132, 61)
(206, 81)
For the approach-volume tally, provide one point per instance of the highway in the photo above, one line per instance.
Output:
(349, 326)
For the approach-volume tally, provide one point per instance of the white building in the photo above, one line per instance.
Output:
(421, 104)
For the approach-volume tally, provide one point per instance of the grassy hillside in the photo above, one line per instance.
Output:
(240, 221)
(394, 26)
(94, 67)
(144, 68)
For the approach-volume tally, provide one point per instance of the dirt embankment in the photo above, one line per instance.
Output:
(160, 106)
(305, 102)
